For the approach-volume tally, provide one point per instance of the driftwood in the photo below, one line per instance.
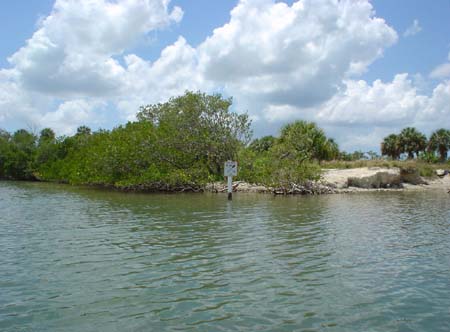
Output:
(307, 188)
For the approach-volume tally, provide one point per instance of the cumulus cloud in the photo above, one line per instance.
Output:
(389, 104)
(70, 114)
(296, 54)
(413, 29)
(437, 112)
(363, 113)
(441, 71)
(18, 106)
(170, 75)
(73, 58)
(71, 54)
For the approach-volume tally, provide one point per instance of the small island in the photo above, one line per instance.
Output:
(181, 146)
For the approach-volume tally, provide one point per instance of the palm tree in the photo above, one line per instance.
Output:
(332, 149)
(391, 146)
(440, 141)
(46, 135)
(307, 141)
(84, 131)
(412, 141)
(262, 144)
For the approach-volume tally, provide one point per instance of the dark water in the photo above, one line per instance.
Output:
(87, 260)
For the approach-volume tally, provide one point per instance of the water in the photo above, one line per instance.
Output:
(76, 259)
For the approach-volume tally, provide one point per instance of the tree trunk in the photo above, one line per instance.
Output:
(443, 153)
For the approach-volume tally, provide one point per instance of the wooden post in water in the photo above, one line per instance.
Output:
(230, 170)
(230, 188)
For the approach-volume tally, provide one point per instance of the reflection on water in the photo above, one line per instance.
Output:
(76, 259)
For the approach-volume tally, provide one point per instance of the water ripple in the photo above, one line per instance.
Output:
(84, 260)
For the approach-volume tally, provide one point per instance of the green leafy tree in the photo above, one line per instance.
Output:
(262, 144)
(293, 158)
(83, 131)
(46, 135)
(197, 128)
(5, 152)
(332, 149)
(47, 148)
(440, 142)
(20, 162)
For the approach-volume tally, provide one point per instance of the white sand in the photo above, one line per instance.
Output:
(339, 177)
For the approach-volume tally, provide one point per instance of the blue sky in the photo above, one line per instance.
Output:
(335, 63)
(422, 52)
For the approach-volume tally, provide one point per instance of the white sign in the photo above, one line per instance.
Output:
(230, 168)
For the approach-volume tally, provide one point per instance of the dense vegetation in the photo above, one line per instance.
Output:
(182, 145)
(416, 145)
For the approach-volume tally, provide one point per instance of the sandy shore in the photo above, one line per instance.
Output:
(353, 180)
(340, 177)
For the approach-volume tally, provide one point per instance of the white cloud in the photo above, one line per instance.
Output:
(437, 112)
(441, 71)
(388, 104)
(297, 54)
(71, 53)
(73, 56)
(363, 138)
(16, 104)
(361, 114)
(174, 72)
(413, 29)
(70, 115)
(364, 113)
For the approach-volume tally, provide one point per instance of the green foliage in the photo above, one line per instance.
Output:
(126, 156)
(291, 159)
(306, 141)
(440, 142)
(84, 131)
(412, 141)
(5, 152)
(198, 129)
(262, 144)
(391, 146)
(46, 135)
(426, 170)
(17, 153)
(354, 156)
(183, 142)
(409, 141)
(254, 167)
(373, 155)
(429, 157)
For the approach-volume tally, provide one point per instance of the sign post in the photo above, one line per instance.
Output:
(230, 170)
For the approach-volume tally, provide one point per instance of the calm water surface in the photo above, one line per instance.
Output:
(76, 259)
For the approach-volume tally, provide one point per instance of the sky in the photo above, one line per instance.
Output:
(360, 69)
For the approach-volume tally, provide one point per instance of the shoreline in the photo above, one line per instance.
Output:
(333, 181)
(343, 181)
